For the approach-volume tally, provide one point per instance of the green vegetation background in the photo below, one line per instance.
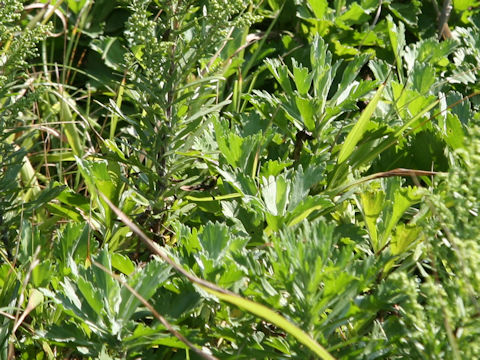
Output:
(239, 179)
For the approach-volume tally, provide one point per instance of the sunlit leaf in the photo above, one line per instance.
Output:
(358, 130)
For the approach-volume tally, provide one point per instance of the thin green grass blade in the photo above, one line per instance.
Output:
(276, 319)
(360, 127)
(70, 128)
(400, 131)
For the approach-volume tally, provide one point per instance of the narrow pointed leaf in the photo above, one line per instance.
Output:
(360, 127)
(274, 318)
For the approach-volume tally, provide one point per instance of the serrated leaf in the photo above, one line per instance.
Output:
(432, 51)
(274, 222)
(380, 69)
(71, 294)
(280, 73)
(460, 106)
(104, 177)
(307, 110)
(402, 198)
(372, 203)
(302, 182)
(383, 207)
(91, 295)
(324, 71)
(214, 240)
(69, 333)
(273, 167)
(302, 78)
(306, 207)
(423, 77)
(406, 12)
(72, 243)
(238, 151)
(403, 238)
(145, 282)
(411, 103)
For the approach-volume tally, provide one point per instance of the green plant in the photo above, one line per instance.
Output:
(305, 174)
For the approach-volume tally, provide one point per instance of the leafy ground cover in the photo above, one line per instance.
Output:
(239, 179)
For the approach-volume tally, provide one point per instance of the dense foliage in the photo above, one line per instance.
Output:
(239, 179)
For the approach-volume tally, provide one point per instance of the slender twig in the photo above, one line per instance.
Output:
(374, 22)
(12, 317)
(385, 174)
(443, 29)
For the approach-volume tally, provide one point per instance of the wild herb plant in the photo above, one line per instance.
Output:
(307, 171)
(169, 92)
(450, 266)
